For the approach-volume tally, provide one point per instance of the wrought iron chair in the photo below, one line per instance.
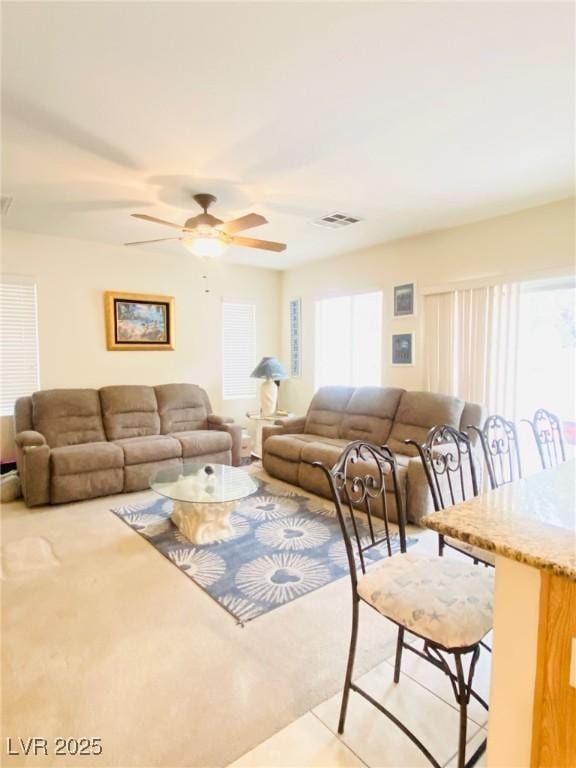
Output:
(499, 441)
(448, 460)
(548, 437)
(446, 603)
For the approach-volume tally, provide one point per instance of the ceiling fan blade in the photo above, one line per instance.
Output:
(265, 245)
(160, 240)
(244, 222)
(154, 220)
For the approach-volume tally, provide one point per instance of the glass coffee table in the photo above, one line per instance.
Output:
(204, 497)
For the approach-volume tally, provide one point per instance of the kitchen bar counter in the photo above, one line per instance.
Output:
(530, 525)
(532, 521)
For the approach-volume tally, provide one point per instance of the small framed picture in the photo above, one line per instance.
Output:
(404, 300)
(136, 321)
(295, 337)
(402, 349)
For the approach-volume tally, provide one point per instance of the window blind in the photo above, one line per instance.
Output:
(239, 349)
(18, 343)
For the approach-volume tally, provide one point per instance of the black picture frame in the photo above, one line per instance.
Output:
(404, 300)
(402, 349)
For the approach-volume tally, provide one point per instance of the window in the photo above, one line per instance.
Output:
(510, 346)
(546, 358)
(238, 349)
(18, 342)
(349, 340)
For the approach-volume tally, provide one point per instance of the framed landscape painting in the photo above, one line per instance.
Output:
(403, 349)
(137, 321)
(404, 300)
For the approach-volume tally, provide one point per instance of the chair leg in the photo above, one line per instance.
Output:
(399, 647)
(350, 667)
(463, 698)
(440, 544)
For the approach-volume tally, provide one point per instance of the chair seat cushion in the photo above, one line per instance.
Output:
(442, 600)
(470, 549)
(143, 450)
(86, 457)
(203, 441)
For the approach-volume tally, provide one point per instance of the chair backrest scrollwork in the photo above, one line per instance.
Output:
(448, 461)
(499, 441)
(547, 434)
(361, 480)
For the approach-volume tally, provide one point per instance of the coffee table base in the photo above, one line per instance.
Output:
(203, 523)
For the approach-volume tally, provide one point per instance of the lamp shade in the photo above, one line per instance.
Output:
(269, 368)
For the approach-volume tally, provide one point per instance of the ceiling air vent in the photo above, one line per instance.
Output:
(336, 220)
(5, 203)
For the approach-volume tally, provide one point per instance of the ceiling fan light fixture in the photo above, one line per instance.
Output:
(208, 237)
(209, 245)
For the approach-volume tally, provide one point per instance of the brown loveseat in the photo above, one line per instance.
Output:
(379, 415)
(75, 444)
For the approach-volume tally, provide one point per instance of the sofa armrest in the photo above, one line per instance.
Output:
(235, 432)
(292, 425)
(33, 459)
(29, 439)
(213, 419)
(418, 497)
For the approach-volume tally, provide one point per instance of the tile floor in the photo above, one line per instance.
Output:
(423, 700)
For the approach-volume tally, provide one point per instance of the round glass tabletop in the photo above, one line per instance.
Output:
(206, 483)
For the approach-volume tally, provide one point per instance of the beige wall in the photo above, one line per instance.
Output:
(536, 240)
(72, 276)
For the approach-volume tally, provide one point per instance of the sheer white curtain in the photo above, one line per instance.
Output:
(471, 341)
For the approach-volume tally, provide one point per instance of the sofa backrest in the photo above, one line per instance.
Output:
(326, 411)
(417, 413)
(369, 414)
(68, 416)
(182, 407)
(129, 411)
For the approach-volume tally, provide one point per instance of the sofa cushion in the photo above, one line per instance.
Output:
(68, 416)
(129, 411)
(326, 411)
(85, 485)
(417, 413)
(290, 447)
(203, 441)
(369, 414)
(88, 457)
(326, 451)
(182, 407)
(141, 450)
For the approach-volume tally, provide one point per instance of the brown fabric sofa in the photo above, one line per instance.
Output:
(75, 444)
(379, 415)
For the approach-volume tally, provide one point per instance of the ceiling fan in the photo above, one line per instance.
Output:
(205, 235)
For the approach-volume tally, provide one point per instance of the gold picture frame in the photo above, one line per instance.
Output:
(139, 321)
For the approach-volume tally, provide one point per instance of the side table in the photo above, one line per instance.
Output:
(258, 420)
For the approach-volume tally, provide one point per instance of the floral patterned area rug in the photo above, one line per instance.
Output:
(284, 545)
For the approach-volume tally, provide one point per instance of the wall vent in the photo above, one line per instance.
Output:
(336, 220)
(5, 203)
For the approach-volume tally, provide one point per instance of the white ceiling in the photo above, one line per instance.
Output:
(413, 116)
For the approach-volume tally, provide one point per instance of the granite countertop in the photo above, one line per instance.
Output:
(532, 521)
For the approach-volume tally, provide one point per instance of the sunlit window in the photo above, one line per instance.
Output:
(349, 340)
(546, 373)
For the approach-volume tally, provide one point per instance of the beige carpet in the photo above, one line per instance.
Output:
(103, 637)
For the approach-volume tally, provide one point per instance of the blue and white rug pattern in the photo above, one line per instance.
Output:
(284, 545)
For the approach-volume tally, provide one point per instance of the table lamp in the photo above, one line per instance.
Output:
(271, 371)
